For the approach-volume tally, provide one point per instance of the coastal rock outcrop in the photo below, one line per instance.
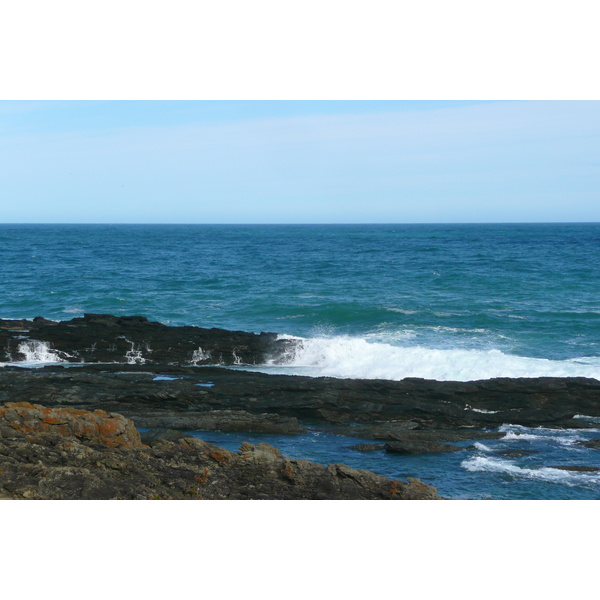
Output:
(98, 427)
(134, 340)
(70, 454)
(221, 420)
(367, 447)
(221, 398)
(594, 443)
(415, 447)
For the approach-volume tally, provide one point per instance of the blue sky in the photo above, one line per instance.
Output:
(299, 162)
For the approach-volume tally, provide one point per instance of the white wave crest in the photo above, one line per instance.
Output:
(480, 410)
(564, 437)
(359, 358)
(587, 418)
(482, 447)
(565, 441)
(496, 465)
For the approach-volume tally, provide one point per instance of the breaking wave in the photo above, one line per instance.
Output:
(563, 437)
(359, 358)
(547, 474)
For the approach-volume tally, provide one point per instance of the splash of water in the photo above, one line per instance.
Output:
(35, 351)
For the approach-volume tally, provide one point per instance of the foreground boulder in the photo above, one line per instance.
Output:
(66, 453)
(96, 427)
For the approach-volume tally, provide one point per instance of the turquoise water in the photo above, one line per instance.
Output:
(386, 301)
(389, 301)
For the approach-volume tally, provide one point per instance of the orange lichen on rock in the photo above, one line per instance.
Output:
(99, 426)
(220, 456)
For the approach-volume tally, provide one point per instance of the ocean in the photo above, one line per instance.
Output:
(446, 302)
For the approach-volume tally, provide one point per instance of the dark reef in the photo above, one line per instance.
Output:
(106, 338)
(235, 400)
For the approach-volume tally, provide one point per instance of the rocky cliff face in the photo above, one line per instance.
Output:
(65, 453)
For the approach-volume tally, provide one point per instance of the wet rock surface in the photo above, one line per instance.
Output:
(416, 447)
(594, 444)
(516, 453)
(577, 468)
(108, 338)
(367, 447)
(40, 460)
(181, 397)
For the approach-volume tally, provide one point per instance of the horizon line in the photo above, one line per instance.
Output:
(319, 223)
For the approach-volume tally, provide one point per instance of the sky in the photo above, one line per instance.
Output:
(299, 161)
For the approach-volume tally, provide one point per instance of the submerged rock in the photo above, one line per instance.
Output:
(516, 453)
(367, 447)
(593, 443)
(45, 455)
(577, 468)
(416, 447)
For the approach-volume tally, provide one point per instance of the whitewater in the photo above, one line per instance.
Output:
(358, 358)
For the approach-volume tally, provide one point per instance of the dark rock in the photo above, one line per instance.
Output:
(593, 443)
(221, 420)
(386, 409)
(367, 447)
(419, 447)
(383, 432)
(516, 453)
(577, 468)
(162, 435)
(40, 462)
(135, 340)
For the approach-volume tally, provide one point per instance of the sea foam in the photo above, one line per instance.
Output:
(360, 358)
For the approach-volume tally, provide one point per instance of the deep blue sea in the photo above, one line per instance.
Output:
(447, 302)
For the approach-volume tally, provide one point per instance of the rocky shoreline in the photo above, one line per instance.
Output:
(71, 454)
(154, 375)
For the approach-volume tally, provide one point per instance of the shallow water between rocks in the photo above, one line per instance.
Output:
(477, 473)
